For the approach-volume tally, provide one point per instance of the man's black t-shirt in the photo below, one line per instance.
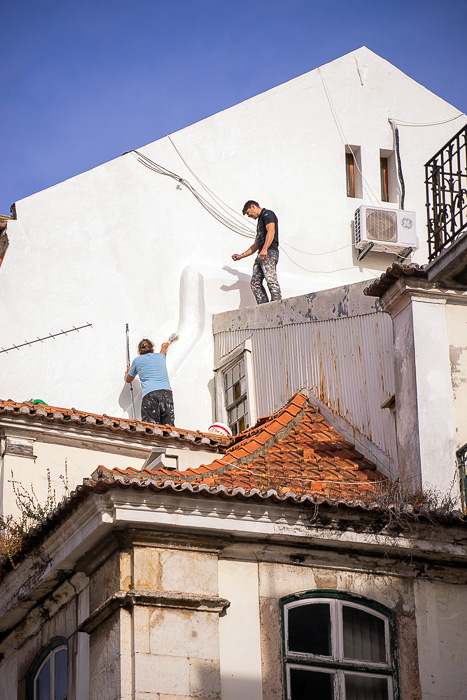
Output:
(267, 217)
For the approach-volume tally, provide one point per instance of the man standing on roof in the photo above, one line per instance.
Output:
(267, 243)
(158, 405)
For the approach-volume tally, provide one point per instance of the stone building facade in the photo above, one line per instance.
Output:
(163, 585)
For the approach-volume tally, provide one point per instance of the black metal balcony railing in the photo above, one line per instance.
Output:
(446, 194)
(462, 464)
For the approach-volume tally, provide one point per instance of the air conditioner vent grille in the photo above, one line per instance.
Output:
(381, 225)
(357, 227)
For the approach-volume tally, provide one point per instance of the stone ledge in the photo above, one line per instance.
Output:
(156, 599)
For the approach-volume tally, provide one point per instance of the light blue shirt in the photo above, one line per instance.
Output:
(152, 371)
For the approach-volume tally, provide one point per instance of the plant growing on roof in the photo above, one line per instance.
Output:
(31, 512)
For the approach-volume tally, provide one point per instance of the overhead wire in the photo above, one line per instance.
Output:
(401, 122)
(161, 170)
(224, 219)
(214, 196)
(345, 143)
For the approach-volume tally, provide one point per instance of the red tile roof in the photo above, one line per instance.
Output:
(294, 450)
(94, 421)
(392, 274)
(293, 458)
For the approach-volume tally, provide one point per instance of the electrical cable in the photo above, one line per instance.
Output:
(344, 140)
(399, 164)
(226, 221)
(222, 204)
(159, 169)
(401, 122)
(323, 272)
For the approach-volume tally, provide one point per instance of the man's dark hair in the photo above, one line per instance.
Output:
(248, 204)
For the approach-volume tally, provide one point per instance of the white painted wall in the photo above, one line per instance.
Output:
(59, 465)
(120, 244)
(239, 631)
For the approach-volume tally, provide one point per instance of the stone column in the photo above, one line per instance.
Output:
(426, 445)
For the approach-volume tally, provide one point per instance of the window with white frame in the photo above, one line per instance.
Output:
(49, 677)
(236, 398)
(337, 648)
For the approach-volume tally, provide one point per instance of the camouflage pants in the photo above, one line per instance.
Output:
(158, 407)
(266, 270)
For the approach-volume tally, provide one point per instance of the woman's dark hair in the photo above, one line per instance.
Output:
(145, 346)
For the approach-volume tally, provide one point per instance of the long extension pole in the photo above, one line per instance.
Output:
(128, 364)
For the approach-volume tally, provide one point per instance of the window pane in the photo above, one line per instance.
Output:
(43, 683)
(366, 688)
(363, 636)
(384, 179)
(310, 629)
(60, 674)
(350, 174)
(311, 685)
(237, 391)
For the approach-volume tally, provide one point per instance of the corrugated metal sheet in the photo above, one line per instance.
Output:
(227, 341)
(346, 362)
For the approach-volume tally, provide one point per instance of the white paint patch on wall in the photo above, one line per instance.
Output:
(239, 631)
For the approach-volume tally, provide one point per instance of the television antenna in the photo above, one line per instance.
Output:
(47, 337)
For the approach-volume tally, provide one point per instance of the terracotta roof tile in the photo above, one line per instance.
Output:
(94, 421)
(294, 450)
(392, 274)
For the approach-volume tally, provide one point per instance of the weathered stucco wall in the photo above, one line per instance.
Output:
(57, 462)
(424, 406)
(175, 612)
(331, 573)
(456, 319)
(121, 244)
(57, 616)
(240, 631)
(442, 616)
(166, 645)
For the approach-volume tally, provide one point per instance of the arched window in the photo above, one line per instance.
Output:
(338, 647)
(48, 676)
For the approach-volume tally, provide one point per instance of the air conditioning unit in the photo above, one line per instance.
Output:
(385, 230)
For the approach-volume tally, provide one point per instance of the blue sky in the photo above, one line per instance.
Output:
(83, 82)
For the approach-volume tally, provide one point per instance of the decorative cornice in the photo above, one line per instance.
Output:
(155, 599)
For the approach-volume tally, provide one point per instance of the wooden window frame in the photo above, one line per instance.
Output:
(237, 426)
(384, 175)
(350, 174)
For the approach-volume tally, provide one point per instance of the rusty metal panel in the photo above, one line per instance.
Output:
(346, 362)
(227, 341)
